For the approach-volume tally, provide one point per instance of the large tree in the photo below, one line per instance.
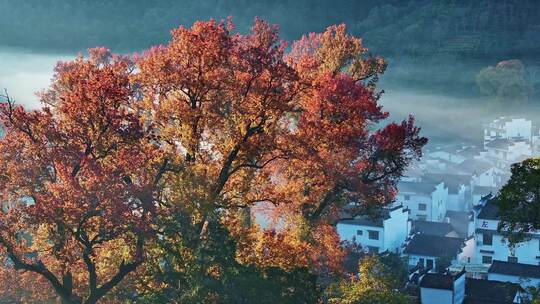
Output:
(505, 82)
(158, 158)
(519, 201)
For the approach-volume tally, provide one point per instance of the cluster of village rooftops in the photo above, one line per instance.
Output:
(444, 211)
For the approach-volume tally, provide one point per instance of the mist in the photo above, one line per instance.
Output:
(445, 117)
(23, 73)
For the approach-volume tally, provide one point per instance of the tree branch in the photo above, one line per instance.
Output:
(39, 268)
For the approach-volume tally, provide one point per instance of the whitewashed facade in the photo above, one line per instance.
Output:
(491, 245)
(457, 288)
(426, 200)
(442, 288)
(508, 128)
(387, 233)
(504, 152)
(492, 177)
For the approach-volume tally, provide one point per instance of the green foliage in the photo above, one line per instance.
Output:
(519, 201)
(398, 272)
(505, 82)
(535, 294)
(376, 283)
(206, 271)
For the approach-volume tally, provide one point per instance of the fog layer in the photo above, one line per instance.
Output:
(23, 73)
(444, 118)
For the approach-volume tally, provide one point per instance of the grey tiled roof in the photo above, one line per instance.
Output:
(440, 280)
(434, 246)
(437, 281)
(483, 190)
(418, 187)
(474, 166)
(489, 292)
(459, 220)
(452, 181)
(515, 269)
(431, 228)
(373, 220)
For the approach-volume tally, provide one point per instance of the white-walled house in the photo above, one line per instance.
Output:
(426, 200)
(524, 274)
(457, 288)
(425, 250)
(508, 128)
(461, 222)
(459, 187)
(491, 245)
(386, 232)
(437, 288)
(483, 172)
(503, 152)
(492, 177)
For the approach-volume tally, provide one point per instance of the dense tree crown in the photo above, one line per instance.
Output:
(145, 164)
(505, 82)
(519, 201)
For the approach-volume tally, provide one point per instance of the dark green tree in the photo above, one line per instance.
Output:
(519, 201)
(505, 82)
(194, 270)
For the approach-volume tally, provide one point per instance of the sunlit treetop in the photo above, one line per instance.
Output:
(208, 126)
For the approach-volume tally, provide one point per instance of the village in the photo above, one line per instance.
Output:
(444, 223)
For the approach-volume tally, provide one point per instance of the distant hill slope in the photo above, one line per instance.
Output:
(498, 29)
(435, 45)
(470, 29)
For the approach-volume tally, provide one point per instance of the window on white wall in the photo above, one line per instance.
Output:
(358, 232)
(422, 207)
(486, 259)
(487, 239)
(373, 234)
(407, 197)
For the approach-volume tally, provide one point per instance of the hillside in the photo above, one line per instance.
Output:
(458, 37)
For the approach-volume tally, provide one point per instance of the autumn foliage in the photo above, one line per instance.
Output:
(134, 158)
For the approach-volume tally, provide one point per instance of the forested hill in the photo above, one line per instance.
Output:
(414, 28)
(437, 46)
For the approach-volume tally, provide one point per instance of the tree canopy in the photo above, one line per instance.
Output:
(376, 283)
(519, 201)
(143, 170)
(505, 82)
